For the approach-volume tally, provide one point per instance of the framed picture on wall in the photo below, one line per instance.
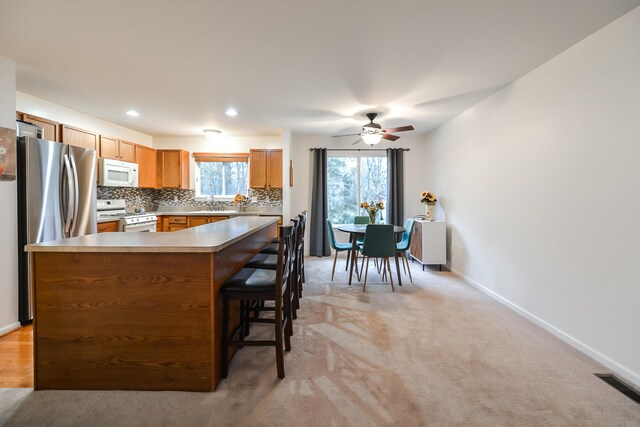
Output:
(7, 154)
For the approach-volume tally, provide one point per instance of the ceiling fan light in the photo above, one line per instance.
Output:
(371, 138)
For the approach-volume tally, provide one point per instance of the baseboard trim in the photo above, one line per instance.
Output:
(9, 328)
(623, 372)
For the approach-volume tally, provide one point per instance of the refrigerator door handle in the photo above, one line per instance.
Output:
(76, 194)
(70, 203)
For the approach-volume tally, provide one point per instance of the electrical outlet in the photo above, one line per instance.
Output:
(175, 198)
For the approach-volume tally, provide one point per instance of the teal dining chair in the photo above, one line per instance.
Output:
(338, 247)
(379, 242)
(362, 219)
(403, 246)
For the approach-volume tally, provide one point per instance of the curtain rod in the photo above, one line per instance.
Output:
(357, 149)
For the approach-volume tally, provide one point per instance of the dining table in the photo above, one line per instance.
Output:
(358, 231)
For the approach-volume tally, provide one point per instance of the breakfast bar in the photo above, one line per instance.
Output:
(137, 311)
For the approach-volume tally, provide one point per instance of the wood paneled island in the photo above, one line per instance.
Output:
(137, 311)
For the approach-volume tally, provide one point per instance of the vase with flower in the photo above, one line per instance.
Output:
(372, 209)
(429, 200)
(240, 200)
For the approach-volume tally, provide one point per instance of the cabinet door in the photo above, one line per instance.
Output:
(216, 218)
(185, 179)
(159, 224)
(177, 227)
(110, 226)
(274, 168)
(79, 137)
(18, 115)
(416, 241)
(127, 151)
(257, 168)
(173, 169)
(51, 129)
(108, 147)
(195, 221)
(146, 159)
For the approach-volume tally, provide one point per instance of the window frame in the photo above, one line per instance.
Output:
(358, 155)
(202, 157)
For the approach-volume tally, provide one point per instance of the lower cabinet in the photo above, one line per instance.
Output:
(175, 223)
(195, 221)
(429, 242)
(110, 226)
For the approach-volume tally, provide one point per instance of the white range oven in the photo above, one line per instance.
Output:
(127, 222)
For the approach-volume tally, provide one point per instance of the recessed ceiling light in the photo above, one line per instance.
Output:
(231, 112)
(211, 133)
(132, 113)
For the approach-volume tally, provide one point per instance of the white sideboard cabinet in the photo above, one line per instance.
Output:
(429, 242)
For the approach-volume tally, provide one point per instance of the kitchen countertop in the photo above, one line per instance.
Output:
(211, 237)
(230, 213)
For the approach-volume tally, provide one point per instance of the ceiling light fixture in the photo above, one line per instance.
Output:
(231, 112)
(371, 138)
(132, 113)
(211, 133)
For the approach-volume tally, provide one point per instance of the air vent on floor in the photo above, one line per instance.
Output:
(620, 386)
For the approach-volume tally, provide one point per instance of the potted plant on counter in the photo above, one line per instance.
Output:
(240, 200)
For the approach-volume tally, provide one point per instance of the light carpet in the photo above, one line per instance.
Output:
(436, 352)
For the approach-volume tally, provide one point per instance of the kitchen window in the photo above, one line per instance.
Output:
(354, 178)
(221, 175)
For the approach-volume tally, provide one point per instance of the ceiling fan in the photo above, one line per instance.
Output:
(372, 133)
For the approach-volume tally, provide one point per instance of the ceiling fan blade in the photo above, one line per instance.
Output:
(346, 134)
(400, 129)
(390, 137)
(358, 141)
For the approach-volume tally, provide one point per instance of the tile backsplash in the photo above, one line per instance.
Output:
(150, 198)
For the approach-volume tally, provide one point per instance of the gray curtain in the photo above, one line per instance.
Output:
(318, 238)
(395, 189)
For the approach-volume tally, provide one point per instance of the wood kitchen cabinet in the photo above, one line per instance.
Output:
(147, 166)
(116, 149)
(50, 129)
(173, 169)
(194, 221)
(174, 223)
(265, 168)
(110, 226)
(159, 228)
(80, 137)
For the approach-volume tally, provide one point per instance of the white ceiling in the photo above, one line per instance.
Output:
(310, 66)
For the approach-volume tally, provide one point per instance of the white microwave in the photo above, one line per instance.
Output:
(114, 173)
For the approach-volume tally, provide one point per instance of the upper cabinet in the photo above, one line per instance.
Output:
(173, 169)
(147, 166)
(80, 137)
(51, 129)
(116, 149)
(265, 168)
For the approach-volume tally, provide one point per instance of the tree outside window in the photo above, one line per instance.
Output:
(221, 174)
(351, 180)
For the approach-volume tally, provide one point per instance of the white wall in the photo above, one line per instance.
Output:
(414, 169)
(221, 144)
(42, 108)
(8, 213)
(540, 187)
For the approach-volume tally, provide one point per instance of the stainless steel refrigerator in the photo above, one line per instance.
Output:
(56, 200)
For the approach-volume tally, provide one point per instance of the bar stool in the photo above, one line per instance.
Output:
(260, 285)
